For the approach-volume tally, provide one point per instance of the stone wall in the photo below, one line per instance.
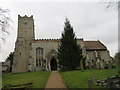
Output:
(47, 47)
(50, 49)
(99, 60)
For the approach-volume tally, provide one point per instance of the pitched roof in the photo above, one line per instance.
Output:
(94, 45)
(89, 45)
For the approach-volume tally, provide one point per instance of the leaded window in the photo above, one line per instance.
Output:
(39, 56)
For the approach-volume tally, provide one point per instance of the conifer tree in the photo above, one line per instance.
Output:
(10, 59)
(69, 53)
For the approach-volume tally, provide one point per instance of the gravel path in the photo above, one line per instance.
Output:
(55, 80)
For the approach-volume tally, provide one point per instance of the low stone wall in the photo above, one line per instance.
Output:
(113, 82)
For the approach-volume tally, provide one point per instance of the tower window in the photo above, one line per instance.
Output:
(20, 53)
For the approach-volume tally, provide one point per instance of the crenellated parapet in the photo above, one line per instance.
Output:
(25, 17)
(46, 40)
(52, 40)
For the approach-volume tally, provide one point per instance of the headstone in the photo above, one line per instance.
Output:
(97, 65)
(109, 65)
(101, 65)
(90, 83)
(94, 64)
(94, 80)
(109, 83)
(104, 63)
(89, 65)
(81, 64)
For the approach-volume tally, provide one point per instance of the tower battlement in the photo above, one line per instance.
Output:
(26, 26)
(25, 17)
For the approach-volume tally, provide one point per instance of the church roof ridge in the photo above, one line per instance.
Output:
(94, 45)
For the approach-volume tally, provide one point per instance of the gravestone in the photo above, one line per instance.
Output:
(97, 65)
(81, 65)
(90, 83)
(101, 65)
(110, 83)
(94, 80)
(109, 65)
(89, 65)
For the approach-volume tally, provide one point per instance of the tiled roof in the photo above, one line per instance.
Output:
(94, 45)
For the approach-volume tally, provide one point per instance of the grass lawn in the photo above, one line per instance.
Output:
(79, 79)
(38, 78)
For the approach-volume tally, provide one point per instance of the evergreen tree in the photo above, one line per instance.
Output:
(10, 59)
(69, 53)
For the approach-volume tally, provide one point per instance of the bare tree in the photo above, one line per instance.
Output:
(112, 4)
(116, 6)
(4, 22)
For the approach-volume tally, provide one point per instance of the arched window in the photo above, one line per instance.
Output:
(39, 56)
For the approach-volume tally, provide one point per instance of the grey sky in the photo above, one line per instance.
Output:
(90, 20)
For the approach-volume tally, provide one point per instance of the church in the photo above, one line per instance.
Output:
(32, 54)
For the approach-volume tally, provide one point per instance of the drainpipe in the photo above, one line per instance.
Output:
(46, 64)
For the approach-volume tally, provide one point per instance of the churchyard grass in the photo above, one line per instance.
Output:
(79, 79)
(38, 78)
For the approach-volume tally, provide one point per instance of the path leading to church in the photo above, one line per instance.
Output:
(55, 80)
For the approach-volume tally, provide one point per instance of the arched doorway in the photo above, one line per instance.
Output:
(53, 64)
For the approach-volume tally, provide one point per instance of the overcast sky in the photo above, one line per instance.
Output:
(90, 20)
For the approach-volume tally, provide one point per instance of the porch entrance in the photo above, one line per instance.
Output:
(53, 64)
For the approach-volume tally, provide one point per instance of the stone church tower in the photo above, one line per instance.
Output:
(23, 44)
